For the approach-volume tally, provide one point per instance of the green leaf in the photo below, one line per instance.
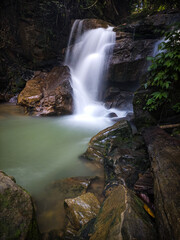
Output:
(149, 58)
(145, 85)
(167, 63)
(150, 101)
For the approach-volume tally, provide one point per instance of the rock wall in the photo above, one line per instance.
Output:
(164, 152)
(33, 34)
(135, 41)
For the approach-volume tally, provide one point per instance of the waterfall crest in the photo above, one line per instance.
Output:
(88, 56)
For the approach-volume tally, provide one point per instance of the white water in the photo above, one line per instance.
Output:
(156, 49)
(88, 56)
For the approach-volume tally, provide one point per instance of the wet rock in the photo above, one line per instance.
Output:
(13, 99)
(72, 187)
(52, 218)
(122, 153)
(80, 211)
(112, 115)
(116, 98)
(48, 93)
(51, 213)
(122, 217)
(129, 63)
(134, 42)
(99, 144)
(17, 217)
(144, 188)
(145, 183)
(164, 152)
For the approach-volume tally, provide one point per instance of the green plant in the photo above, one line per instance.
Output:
(164, 72)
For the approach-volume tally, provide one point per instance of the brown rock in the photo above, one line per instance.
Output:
(164, 152)
(122, 217)
(82, 209)
(145, 183)
(48, 93)
(33, 91)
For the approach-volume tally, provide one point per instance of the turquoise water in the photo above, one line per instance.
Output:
(37, 151)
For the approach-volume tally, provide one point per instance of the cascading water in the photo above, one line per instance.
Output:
(88, 56)
(156, 49)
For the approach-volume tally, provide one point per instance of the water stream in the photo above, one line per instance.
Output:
(39, 151)
(88, 56)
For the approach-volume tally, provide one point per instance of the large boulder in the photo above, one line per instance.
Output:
(99, 144)
(122, 153)
(17, 217)
(48, 93)
(122, 216)
(164, 152)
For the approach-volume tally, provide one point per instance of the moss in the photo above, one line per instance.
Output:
(33, 231)
(17, 233)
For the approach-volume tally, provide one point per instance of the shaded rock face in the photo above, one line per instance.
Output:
(142, 117)
(124, 155)
(80, 211)
(134, 42)
(17, 218)
(146, 26)
(164, 152)
(33, 33)
(122, 217)
(118, 99)
(48, 93)
(128, 63)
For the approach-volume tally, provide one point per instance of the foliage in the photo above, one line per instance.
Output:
(159, 5)
(164, 72)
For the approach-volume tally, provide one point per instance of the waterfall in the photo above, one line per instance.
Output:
(156, 49)
(88, 55)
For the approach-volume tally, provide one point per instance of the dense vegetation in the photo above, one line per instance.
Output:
(164, 74)
(154, 4)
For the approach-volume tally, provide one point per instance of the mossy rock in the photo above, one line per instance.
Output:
(122, 217)
(17, 216)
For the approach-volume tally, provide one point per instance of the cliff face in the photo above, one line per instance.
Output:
(33, 34)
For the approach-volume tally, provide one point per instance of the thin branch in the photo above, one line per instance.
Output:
(170, 126)
(91, 5)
